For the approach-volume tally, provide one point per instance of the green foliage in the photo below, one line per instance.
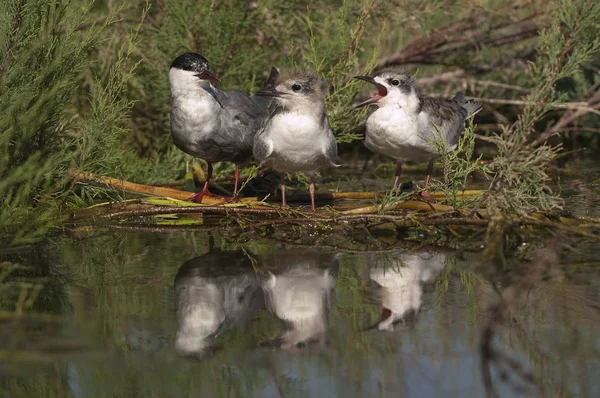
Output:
(457, 166)
(338, 60)
(521, 183)
(43, 53)
(390, 199)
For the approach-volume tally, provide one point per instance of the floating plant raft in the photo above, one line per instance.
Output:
(167, 209)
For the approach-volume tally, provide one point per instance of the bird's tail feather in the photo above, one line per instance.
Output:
(473, 107)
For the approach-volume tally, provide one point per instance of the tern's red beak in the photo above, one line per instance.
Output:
(381, 91)
(206, 75)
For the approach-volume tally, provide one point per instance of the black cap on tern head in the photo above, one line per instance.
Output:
(193, 62)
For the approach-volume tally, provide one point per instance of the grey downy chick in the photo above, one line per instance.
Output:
(296, 136)
(407, 120)
(209, 123)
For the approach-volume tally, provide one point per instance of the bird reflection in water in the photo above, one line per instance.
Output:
(213, 293)
(398, 287)
(298, 291)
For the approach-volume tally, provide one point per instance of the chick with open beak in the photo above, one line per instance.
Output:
(407, 122)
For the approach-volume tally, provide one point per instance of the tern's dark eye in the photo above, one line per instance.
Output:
(296, 87)
(395, 82)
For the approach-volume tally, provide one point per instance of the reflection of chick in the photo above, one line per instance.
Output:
(399, 277)
(214, 292)
(300, 296)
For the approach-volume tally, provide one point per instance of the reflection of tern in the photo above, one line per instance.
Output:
(300, 296)
(213, 292)
(399, 277)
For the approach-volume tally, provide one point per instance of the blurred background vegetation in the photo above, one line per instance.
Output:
(83, 86)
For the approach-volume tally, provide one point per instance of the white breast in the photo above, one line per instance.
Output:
(298, 142)
(401, 289)
(397, 133)
(194, 117)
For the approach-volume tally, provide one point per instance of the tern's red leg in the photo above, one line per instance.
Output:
(425, 194)
(398, 174)
(311, 190)
(237, 180)
(197, 197)
(283, 203)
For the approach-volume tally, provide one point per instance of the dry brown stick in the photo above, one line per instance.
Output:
(369, 195)
(565, 105)
(407, 205)
(427, 43)
(439, 42)
(152, 190)
(497, 42)
(570, 116)
(442, 77)
(460, 74)
(574, 129)
(156, 228)
(399, 220)
(156, 210)
(142, 189)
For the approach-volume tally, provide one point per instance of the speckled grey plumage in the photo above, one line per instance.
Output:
(448, 115)
(407, 120)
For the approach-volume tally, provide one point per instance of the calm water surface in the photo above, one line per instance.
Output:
(141, 314)
(147, 314)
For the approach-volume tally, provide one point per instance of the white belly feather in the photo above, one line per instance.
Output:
(194, 119)
(398, 134)
(298, 143)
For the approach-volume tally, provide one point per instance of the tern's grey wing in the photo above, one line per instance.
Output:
(331, 149)
(473, 107)
(332, 153)
(242, 116)
(244, 110)
(263, 147)
(446, 116)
